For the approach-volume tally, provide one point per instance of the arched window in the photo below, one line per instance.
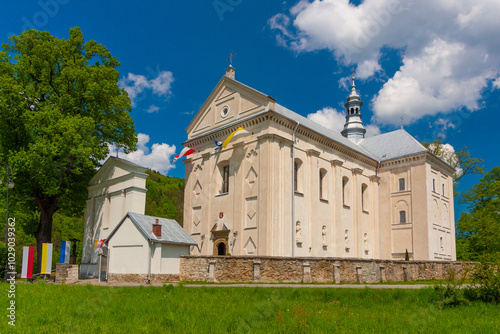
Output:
(352, 111)
(364, 197)
(297, 175)
(323, 190)
(357, 110)
(346, 193)
(402, 212)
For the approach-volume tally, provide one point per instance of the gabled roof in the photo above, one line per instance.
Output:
(117, 161)
(223, 81)
(392, 145)
(171, 231)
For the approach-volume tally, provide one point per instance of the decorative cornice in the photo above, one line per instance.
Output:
(357, 171)
(271, 136)
(311, 152)
(336, 162)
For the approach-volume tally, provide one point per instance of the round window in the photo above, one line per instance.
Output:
(224, 111)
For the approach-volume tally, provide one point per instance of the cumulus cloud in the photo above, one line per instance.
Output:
(135, 84)
(329, 118)
(158, 158)
(334, 120)
(449, 49)
(152, 109)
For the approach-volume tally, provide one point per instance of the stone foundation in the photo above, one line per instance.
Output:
(66, 273)
(315, 270)
(142, 278)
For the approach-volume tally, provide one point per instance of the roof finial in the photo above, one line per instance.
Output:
(353, 71)
(402, 123)
(230, 58)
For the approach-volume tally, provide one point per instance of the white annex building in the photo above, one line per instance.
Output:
(136, 244)
(294, 188)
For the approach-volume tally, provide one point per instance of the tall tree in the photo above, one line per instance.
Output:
(478, 229)
(60, 107)
(461, 160)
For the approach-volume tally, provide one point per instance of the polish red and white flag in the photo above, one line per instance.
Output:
(184, 153)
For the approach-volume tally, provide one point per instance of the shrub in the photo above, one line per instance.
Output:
(452, 292)
(486, 283)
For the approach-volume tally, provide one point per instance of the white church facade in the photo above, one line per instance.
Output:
(294, 188)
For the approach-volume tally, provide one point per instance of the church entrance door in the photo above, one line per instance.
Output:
(221, 249)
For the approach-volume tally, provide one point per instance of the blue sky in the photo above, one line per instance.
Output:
(434, 62)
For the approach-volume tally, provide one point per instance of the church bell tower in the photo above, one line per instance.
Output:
(353, 127)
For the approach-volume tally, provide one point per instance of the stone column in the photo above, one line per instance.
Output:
(382, 274)
(256, 270)
(211, 271)
(306, 272)
(336, 204)
(374, 236)
(356, 212)
(336, 273)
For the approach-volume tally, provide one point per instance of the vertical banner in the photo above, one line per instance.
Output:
(65, 250)
(46, 259)
(27, 267)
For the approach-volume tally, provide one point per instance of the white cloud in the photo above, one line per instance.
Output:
(152, 109)
(329, 118)
(135, 84)
(449, 48)
(367, 69)
(334, 120)
(158, 158)
(372, 130)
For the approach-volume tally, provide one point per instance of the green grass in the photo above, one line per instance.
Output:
(50, 308)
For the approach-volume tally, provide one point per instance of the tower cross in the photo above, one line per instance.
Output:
(230, 58)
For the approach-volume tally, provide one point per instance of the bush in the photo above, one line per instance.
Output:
(452, 292)
(484, 286)
(486, 283)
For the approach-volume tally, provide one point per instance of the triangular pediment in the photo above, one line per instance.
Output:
(114, 168)
(229, 101)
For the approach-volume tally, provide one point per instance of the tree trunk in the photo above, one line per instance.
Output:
(43, 233)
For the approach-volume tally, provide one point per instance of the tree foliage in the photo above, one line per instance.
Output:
(165, 196)
(60, 107)
(461, 160)
(478, 229)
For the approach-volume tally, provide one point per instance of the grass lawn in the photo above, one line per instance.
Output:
(50, 308)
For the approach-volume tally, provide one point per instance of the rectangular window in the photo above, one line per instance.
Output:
(434, 185)
(401, 184)
(402, 217)
(443, 189)
(225, 179)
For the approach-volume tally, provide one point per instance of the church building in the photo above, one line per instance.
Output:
(291, 187)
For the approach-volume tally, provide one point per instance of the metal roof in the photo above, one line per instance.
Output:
(171, 231)
(337, 137)
(392, 145)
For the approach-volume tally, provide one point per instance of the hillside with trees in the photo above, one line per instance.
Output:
(165, 196)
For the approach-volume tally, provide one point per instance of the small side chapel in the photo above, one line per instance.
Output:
(292, 187)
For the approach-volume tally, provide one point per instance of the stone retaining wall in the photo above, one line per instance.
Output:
(142, 278)
(66, 273)
(317, 270)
